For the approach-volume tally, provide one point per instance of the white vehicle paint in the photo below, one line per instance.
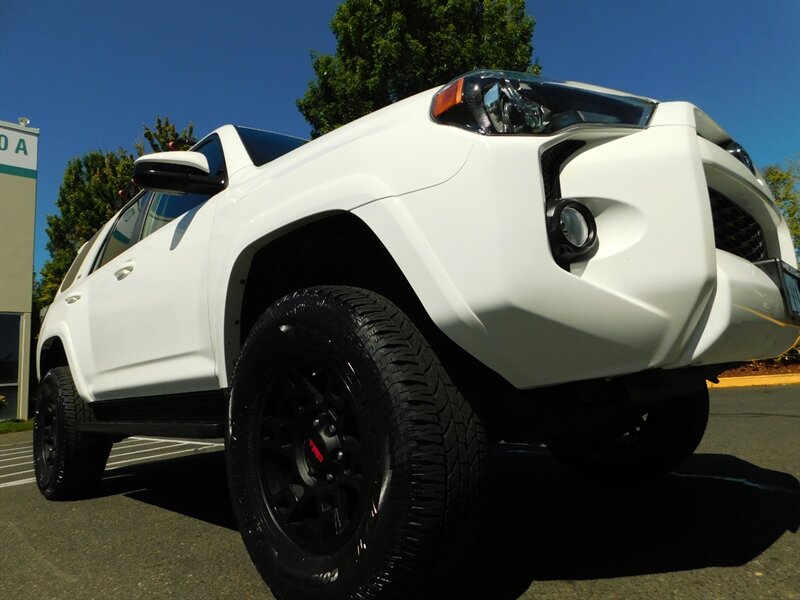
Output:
(461, 214)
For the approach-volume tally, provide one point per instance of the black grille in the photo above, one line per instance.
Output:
(735, 231)
(552, 159)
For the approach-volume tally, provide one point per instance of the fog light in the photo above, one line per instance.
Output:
(572, 231)
(574, 227)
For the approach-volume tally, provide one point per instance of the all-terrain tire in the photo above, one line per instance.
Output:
(641, 446)
(355, 466)
(68, 464)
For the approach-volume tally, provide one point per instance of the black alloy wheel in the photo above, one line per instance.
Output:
(640, 445)
(45, 449)
(313, 473)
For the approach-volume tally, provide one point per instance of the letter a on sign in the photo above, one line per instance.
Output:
(21, 147)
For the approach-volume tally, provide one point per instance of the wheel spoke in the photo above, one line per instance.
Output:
(316, 398)
(288, 394)
(326, 519)
(341, 510)
(353, 481)
(277, 436)
(290, 502)
(275, 427)
(338, 521)
(352, 450)
(47, 435)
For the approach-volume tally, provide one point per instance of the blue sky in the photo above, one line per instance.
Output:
(90, 74)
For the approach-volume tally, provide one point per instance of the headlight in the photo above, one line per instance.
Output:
(503, 102)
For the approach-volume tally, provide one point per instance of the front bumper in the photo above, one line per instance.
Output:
(656, 294)
(747, 318)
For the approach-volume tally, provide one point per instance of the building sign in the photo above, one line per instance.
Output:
(18, 149)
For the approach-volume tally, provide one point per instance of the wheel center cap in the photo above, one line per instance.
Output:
(321, 446)
(315, 452)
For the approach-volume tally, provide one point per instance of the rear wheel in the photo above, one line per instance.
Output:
(355, 465)
(68, 463)
(643, 444)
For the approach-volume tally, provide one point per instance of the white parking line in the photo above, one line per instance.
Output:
(219, 444)
(22, 456)
(26, 454)
(20, 482)
(146, 450)
(20, 452)
(21, 464)
(134, 443)
(17, 473)
(114, 464)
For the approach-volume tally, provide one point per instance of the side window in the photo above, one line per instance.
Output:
(125, 232)
(212, 150)
(165, 207)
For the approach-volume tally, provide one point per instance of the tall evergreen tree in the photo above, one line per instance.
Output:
(390, 49)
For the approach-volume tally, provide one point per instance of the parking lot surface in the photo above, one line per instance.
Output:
(16, 459)
(723, 526)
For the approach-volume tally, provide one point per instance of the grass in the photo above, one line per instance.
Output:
(15, 425)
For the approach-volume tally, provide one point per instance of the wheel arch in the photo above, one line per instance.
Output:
(52, 354)
(333, 248)
(56, 350)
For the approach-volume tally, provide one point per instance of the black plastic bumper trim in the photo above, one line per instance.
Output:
(787, 279)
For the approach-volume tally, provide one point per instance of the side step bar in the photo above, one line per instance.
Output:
(163, 429)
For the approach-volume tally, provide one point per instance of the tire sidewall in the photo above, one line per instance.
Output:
(291, 570)
(48, 478)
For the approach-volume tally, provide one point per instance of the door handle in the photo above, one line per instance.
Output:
(123, 272)
(72, 299)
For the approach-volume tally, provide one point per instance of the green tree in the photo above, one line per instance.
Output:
(785, 186)
(89, 196)
(390, 49)
(165, 132)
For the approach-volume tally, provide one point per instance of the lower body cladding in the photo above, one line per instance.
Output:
(656, 293)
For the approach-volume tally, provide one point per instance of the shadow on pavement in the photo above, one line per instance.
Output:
(544, 524)
(195, 486)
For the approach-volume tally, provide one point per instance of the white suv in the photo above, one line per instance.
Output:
(506, 258)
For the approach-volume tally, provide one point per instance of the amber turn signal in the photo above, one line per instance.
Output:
(448, 97)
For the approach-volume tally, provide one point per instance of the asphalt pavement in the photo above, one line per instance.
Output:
(723, 526)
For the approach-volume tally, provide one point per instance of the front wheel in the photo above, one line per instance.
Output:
(355, 466)
(641, 445)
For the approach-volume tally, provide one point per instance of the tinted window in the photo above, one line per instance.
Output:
(263, 146)
(9, 348)
(212, 150)
(166, 207)
(125, 232)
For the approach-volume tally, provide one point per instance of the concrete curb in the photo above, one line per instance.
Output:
(756, 380)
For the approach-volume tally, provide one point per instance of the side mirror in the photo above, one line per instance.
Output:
(180, 172)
